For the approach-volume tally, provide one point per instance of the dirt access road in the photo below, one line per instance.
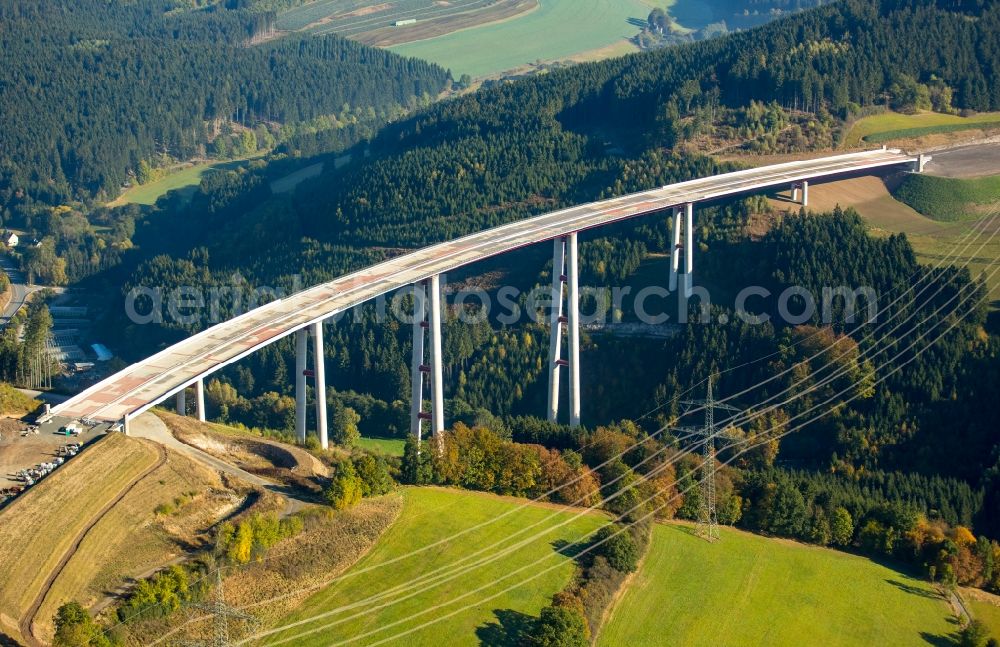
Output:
(149, 426)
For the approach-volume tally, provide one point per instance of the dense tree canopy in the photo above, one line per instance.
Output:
(90, 89)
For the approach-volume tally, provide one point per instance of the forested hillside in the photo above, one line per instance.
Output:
(90, 90)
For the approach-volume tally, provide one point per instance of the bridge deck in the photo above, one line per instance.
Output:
(152, 380)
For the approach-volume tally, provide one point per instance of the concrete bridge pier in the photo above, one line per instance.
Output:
(417, 367)
(565, 271)
(437, 362)
(199, 394)
(804, 185)
(182, 402)
(675, 251)
(574, 331)
(319, 371)
(556, 321)
(301, 349)
(689, 249)
(427, 317)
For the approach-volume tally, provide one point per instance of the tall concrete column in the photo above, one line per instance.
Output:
(319, 370)
(199, 394)
(418, 367)
(805, 193)
(574, 332)
(795, 191)
(555, 325)
(301, 349)
(675, 251)
(437, 360)
(689, 249)
(182, 402)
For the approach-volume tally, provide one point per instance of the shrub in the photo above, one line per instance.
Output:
(374, 475)
(618, 547)
(75, 628)
(251, 537)
(345, 489)
(560, 626)
(157, 596)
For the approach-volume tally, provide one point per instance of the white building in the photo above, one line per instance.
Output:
(10, 239)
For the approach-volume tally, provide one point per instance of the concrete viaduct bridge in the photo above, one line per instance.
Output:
(130, 392)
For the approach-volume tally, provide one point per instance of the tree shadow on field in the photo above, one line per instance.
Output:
(939, 641)
(570, 549)
(914, 590)
(507, 631)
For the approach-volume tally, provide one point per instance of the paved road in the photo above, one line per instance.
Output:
(146, 383)
(975, 160)
(20, 289)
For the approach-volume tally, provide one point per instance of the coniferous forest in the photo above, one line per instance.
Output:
(111, 84)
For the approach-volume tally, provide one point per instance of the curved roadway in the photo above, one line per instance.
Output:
(142, 385)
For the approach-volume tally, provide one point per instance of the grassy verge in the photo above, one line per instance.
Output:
(948, 199)
(432, 515)
(892, 125)
(750, 590)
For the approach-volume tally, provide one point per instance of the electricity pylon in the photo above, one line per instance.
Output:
(708, 519)
(221, 614)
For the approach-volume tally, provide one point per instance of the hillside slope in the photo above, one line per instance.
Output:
(432, 515)
(750, 590)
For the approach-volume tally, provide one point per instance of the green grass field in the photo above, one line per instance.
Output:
(892, 125)
(985, 608)
(949, 199)
(430, 515)
(751, 590)
(185, 179)
(387, 446)
(556, 29)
